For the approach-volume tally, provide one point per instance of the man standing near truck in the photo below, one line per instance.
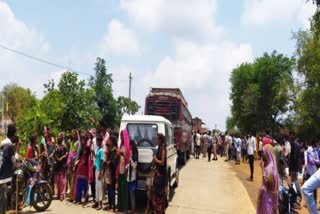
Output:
(198, 143)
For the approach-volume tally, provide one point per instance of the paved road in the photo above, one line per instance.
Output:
(210, 188)
(204, 188)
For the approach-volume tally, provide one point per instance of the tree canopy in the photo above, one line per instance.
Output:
(101, 83)
(308, 66)
(261, 92)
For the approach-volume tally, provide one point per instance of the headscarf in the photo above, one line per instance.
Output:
(271, 165)
(125, 141)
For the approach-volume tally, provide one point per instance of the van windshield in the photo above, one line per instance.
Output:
(144, 134)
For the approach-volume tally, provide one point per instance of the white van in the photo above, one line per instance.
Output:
(144, 129)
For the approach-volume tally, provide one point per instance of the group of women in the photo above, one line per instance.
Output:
(97, 161)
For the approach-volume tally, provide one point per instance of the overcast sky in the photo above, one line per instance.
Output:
(190, 44)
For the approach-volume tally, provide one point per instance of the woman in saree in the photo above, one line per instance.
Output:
(159, 193)
(268, 192)
(73, 150)
(60, 154)
(110, 174)
(124, 157)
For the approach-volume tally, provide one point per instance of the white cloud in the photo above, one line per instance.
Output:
(15, 34)
(119, 41)
(267, 12)
(202, 72)
(185, 19)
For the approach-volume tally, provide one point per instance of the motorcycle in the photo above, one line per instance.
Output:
(27, 189)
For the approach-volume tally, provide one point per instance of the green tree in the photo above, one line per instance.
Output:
(18, 99)
(308, 66)
(125, 106)
(261, 92)
(101, 83)
(230, 123)
(79, 110)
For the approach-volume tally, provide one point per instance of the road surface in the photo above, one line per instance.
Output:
(205, 187)
(210, 187)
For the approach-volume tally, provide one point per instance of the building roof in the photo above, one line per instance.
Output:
(199, 119)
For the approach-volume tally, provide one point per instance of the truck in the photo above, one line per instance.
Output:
(171, 104)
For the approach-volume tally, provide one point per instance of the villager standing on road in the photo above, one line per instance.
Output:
(227, 144)
(220, 145)
(238, 148)
(294, 165)
(204, 145)
(210, 145)
(33, 149)
(267, 139)
(72, 157)
(60, 153)
(159, 193)
(268, 193)
(84, 171)
(260, 147)
(122, 170)
(132, 174)
(46, 148)
(250, 150)
(112, 163)
(198, 144)
(93, 147)
(278, 152)
(98, 173)
(215, 146)
(308, 191)
(6, 166)
(244, 149)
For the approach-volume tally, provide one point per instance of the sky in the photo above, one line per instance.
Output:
(192, 45)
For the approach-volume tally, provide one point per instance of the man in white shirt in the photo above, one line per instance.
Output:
(250, 150)
(228, 141)
(198, 143)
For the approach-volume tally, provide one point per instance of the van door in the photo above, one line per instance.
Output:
(171, 150)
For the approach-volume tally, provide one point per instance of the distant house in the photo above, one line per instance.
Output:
(198, 125)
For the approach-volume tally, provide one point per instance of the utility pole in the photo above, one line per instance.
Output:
(130, 79)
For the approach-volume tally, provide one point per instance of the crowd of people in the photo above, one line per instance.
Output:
(87, 160)
(280, 157)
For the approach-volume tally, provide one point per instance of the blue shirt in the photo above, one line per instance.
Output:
(312, 161)
(99, 158)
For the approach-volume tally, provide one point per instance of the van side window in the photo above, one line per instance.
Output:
(168, 133)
